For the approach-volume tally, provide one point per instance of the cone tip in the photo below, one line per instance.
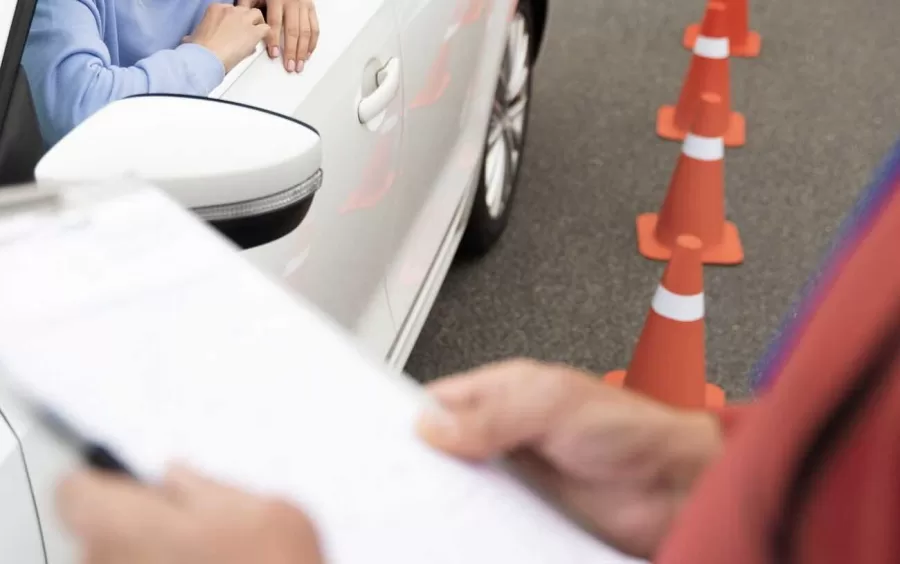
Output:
(711, 98)
(684, 273)
(689, 242)
(715, 21)
(712, 118)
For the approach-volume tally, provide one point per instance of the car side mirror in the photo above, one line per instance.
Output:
(250, 173)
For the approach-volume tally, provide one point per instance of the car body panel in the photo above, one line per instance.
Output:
(438, 76)
(47, 460)
(389, 210)
(19, 531)
(337, 257)
(432, 280)
(452, 62)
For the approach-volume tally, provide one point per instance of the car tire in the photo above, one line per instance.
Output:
(505, 140)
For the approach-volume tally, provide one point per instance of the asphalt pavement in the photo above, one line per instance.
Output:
(566, 282)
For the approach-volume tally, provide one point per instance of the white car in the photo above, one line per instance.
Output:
(419, 111)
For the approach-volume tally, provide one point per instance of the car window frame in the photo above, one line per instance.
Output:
(10, 63)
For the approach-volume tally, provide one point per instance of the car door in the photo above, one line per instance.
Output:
(443, 49)
(338, 257)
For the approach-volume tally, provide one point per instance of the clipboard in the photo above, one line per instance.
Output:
(152, 336)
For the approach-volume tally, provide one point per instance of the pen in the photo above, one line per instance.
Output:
(96, 455)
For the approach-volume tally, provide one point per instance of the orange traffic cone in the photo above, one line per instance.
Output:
(743, 41)
(669, 361)
(708, 72)
(695, 202)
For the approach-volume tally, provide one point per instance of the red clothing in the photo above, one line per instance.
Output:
(811, 472)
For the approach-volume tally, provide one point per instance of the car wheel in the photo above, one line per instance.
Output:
(505, 141)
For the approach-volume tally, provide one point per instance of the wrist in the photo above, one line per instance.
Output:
(204, 68)
(215, 50)
(695, 441)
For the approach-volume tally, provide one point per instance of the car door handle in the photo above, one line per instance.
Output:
(388, 80)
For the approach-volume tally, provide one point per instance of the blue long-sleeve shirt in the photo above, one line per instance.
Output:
(84, 54)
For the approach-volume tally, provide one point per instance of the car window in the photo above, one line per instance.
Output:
(21, 145)
(65, 59)
(83, 54)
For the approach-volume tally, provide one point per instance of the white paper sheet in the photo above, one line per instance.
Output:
(154, 336)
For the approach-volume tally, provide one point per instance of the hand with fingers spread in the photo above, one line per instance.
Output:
(186, 520)
(619, 462)
(296, 22)
(230, 32)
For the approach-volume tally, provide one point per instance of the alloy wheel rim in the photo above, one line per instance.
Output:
(507, 124)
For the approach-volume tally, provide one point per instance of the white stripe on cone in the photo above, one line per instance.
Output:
(703, 148)
(711, 47)
(677, 307)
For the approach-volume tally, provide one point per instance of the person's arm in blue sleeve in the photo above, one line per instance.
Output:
(71, 74)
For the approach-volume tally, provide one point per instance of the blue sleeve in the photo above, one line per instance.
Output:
(71, 75)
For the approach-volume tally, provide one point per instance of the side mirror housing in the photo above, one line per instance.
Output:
(250, 173)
